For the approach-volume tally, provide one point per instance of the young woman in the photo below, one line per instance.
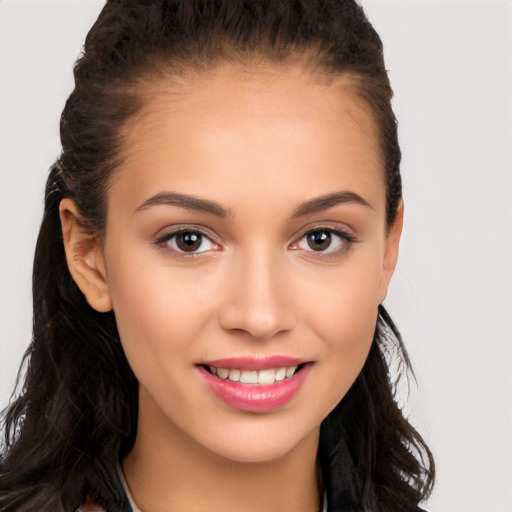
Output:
(219, 234)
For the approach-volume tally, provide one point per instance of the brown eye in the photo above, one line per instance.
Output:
(325, 241)
(319, 240)
(186, 242)
(189, 241)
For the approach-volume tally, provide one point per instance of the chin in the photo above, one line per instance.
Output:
(255, 454)
(260, 446)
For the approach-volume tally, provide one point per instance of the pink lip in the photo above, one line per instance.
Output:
(254, 363)
(254, 397)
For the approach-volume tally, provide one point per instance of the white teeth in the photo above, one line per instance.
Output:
(290, 371)
(234, 375)
(249, 377)
(280, 374)
(265, 377)
(222, 373)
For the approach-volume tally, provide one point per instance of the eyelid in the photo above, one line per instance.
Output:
(166, 234)
(346, 235)
(334, 227)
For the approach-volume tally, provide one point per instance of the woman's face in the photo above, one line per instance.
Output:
(246, 237)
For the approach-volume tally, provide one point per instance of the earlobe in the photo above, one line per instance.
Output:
(391, 251)
(84, 256)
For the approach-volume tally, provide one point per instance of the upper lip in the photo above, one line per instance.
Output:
(255, 363)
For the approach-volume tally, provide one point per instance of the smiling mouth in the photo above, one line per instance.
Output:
(255, 385)
(267, 376)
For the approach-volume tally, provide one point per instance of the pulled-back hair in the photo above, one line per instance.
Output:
(76, 416)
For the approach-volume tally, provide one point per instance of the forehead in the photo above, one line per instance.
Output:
(234, 123)
(232, 89)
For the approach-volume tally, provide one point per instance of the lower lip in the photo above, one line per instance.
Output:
(254, 397)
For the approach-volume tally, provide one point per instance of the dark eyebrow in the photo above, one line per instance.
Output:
(328, 201)
(187, 202)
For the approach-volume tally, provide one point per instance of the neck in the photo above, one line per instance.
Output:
(168, 471)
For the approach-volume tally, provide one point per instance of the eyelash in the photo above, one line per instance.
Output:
(345, 241)
(164, 241)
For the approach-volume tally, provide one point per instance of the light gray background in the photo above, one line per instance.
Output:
(450, 64)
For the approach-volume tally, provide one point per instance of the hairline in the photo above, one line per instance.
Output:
(152, 80)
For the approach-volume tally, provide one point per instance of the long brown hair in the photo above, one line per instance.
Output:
(77, 414)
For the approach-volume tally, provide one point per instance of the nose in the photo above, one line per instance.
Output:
(256, 299)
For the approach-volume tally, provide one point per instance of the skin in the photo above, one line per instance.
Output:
(259, 146)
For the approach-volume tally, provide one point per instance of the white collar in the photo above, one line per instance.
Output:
(127, 490)
(137, 509)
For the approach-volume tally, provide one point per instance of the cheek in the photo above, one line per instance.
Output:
(343, 316)
(158, 312)
(348, 318)
(343, 310)
(346, 324)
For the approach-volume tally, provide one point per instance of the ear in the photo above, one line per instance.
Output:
(84, 256)
(391, 251)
